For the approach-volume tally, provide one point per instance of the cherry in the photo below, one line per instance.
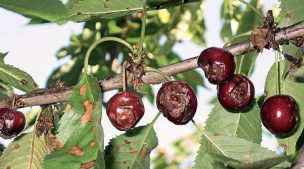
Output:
(236, 94)
(279, 115)
(217, 63)
(12, 123)
(177, 101)
(124, 110)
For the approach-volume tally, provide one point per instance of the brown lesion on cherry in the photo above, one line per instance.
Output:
(87, 116)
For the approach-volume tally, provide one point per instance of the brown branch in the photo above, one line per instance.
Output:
(299, 161)
(48, 96)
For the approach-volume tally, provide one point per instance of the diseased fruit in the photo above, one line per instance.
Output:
(124, 110)
(279, 115)
(177, 102)
(217, 63)
(12, 123)
(236, 94)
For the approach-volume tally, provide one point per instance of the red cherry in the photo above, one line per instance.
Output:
(279, 115)
(177, 101)
(124, 110)
(217, 63)
(12, 123)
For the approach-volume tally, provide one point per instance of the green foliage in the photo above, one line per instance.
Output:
(244, 124)
(80, 133)
(27, 151)
(291, 87)
(291, 12)
(131, 149)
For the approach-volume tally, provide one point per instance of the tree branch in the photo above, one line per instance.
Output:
(48, 96)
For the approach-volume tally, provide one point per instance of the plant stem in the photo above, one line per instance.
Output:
(198, 128)
(155, 118)
(253, 8)
(86, 59)
(278, 81)
(124, 76)
(151, 69)
(143, 28)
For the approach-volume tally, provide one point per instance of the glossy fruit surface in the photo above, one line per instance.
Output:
(177, 102)
(217, 63)
(12, 123)
(124, 110)
(279, 115)
(236, 94)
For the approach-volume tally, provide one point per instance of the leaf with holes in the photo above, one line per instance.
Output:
(231, 147)
(16, 77)
(27, 151)
(80, 139)
(245, 124)
(291, 87)
(132, 149)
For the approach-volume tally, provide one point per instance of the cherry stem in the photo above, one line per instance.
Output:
(198, 127)
(253, 8)
(115, 39)
(143, 28)
(124, 76)
(278, 81)
(155, 118)
(151, 69)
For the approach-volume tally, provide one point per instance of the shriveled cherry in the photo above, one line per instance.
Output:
(217, 63)
(124, 110)
(12, 123)
(279, 115)
(236, 94)
(177, 102)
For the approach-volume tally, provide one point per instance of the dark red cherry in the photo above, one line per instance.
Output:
(236, 94)
(217, 63)
(12, 123)
(177, 101)
(124, 110)
(279, 115)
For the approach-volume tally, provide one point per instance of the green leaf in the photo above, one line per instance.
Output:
(16, 77)
(291, 50)
(291, 12)
(295, 89)
(2, 56)
(132, 149)
(5, 90)
(231, 147)
(26, 152)
(193, 78)
(50, 10)
(244, 124)
(80, 132)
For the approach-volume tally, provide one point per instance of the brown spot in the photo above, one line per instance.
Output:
(113, 158)
(128, 8)
(78, 13)
(76, 151)
(83, 90)
(132, 150)
(284, 146)
(8, 167)
(247, 156)
(68, 107)
(124, 162)
(288, 15)
(24, 82)
(92, 143)
(215, 134)
(127, 141)
(60, 144)
(87, 116)
(117, 149)
(258, 38)
(88, 165)
(144, 151)
(93, 128)
(17, 145)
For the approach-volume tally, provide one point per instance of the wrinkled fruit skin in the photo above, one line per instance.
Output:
(12, 123)
(177, 102)
(217, 63)
(124, 110)
(236, 94)
(279, 115)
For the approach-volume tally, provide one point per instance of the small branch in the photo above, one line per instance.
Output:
(48, 96)
(299, 162)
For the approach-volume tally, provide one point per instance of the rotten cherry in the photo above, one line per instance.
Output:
(217, 63)
(236, 94)
(124, 110)
(177, 102)
(12, 123)
(279, 115)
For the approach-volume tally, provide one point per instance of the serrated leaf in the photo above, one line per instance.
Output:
(244, 124)
(50, 10)
(26, 152)
(295, 89)
(132, 149)
(80, 133)
(2, 55)
(291, 12)
(232, 147)
(5, 90)
(16, 77)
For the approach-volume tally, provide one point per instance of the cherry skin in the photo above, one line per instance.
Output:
(236, 94)
(124, 110)
(279, 115)
(217, 63)
(12, 123)
(177, 102)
